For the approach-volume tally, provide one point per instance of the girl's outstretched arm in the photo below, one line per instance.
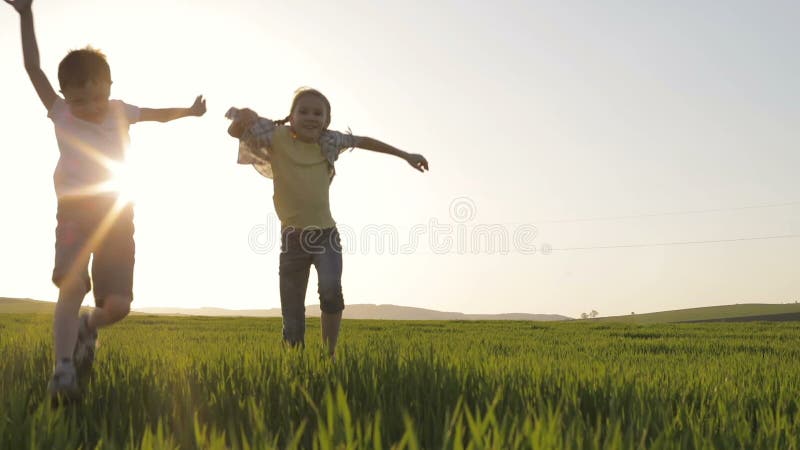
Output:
(416, 161)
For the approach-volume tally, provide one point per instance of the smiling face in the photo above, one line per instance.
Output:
(309, 118)
(88, 102)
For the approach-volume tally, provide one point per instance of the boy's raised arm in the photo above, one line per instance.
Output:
(30, 52)
(416, 161)
(198, 108)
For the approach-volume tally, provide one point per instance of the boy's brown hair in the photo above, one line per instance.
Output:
(82, 66)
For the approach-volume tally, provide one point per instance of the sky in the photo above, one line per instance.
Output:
(622, 157)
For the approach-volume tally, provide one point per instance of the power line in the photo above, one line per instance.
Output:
(669, 244)
(621, 217)
(668, 213)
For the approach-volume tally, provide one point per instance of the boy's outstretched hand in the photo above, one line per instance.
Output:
(417, 161)
(20, 5)
(198, 108)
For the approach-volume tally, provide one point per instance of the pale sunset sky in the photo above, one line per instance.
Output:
(601, 123)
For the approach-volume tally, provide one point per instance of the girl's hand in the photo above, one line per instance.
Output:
(244, 118)
(417, 161)
(198, 108)
(20, 5)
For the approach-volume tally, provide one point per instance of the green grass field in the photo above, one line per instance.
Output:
(228, 383)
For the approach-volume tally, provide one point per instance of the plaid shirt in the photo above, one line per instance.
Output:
(256, 141)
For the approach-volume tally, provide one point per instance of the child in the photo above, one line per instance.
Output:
(300, 158)
(92, 133)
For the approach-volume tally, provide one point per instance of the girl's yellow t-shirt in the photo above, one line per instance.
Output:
(301, 180)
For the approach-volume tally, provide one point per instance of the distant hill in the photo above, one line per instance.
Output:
(746, 312)
(787, 317)
(25, 306)
(728, 313)
(363, 311)
(381, 312)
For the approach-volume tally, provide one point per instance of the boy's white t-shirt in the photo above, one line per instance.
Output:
(86, 147)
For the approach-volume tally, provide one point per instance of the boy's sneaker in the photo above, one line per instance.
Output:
(63, 387)
(83, 355)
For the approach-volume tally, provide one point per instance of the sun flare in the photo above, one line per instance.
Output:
(118, 184)
(122, 183)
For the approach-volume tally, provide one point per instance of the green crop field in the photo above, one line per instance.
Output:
(228, 383)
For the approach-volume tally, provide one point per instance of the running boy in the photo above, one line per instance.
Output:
(92, 134)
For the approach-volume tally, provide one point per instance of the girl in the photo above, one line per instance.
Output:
(300, 158)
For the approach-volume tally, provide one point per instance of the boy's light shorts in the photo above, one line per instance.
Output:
(95, 226)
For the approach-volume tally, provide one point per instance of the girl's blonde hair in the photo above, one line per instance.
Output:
(302, 92)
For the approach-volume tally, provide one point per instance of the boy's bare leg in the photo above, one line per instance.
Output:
(115, 308)
(63, 386)
(65, 319)
(330, 329)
